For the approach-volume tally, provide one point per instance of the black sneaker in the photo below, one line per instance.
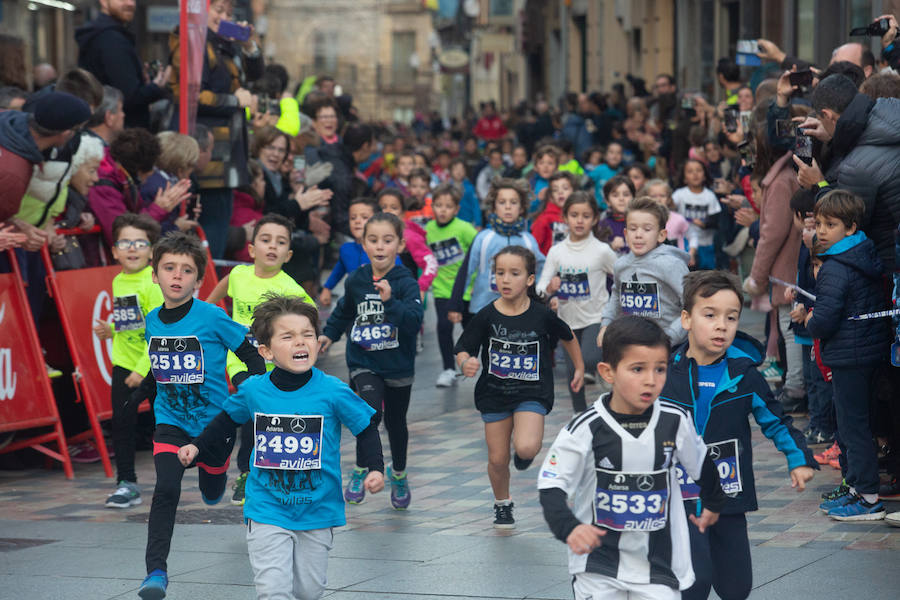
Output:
(521, 463)
(503, 516)
(890, 491)
(840, 490)
(816, 437)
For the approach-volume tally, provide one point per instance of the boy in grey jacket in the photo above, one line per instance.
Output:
(648, 280)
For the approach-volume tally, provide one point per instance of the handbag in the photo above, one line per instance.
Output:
(70, 257)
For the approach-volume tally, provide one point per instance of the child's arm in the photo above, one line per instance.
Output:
(340, 269)
(341, 317)
(831, 292)
(468, 344)
(220, 428)
(219, 292)
(234, 337)
(613, 306)
(673, 277)
(779, 428)
(551, 269)
(403, 306)
(248, 354)
(463, 277)
(426, 261)
(563, 332)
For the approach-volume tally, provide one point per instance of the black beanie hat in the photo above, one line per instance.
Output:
(58, 111)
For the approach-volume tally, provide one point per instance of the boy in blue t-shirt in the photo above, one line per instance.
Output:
(294, 488)
(187, 340)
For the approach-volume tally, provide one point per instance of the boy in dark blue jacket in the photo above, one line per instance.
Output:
(714, 376)
(849, 285)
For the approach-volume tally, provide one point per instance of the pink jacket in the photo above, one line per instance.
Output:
(414, 236)
(115, 194)
(779, 241)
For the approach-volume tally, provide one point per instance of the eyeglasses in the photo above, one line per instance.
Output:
(128, 244)
(276, 149)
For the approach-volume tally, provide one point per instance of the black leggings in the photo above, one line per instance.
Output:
(213, 467)
(393, 402)
(721, 558)
(591, 355)
(445, 330)
(124, 421)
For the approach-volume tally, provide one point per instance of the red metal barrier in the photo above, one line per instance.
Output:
(83, 296)
(26, 397)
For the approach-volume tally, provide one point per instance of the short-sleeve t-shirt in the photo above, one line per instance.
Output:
(307, 493)
(449, 244)
(697, 206)
(134, 296)
(187, 359)
(516, 364)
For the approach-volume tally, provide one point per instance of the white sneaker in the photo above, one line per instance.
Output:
(446, 379)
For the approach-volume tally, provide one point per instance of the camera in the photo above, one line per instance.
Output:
(747, 154)
(153, 69)
(802, 79)
(268, 105)
(731, 119)
(785, 128)
(803, 148)
(876, 29)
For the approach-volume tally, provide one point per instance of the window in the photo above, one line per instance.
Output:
(403, 57)
(325, 52)
(501, 8)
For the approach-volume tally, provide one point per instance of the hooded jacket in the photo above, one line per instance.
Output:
(106, 48)
(114, 194)
(18, 155)
(542, 229)
(361, 310)
(849, 284)
(665, 266)
(866, 149)
(740, 392)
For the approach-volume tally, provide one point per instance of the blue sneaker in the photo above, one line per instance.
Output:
(400, 495)
(857, 509)
(154, 586)
(355, 491)
(839, 499)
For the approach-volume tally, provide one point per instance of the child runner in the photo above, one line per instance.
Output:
(546, 162)
(418, 209)
(246, 285)
(406, 161)
(576, 272)
(627, 535)
(647, 282)
(515, 390)
(699, 206)
(415, 253)
(549, 227)
(618, 191)
(639, 174)
(383, 310)
(187, 341)
(508, 199)
(351, 255)
(609, 168)
(469, 207)
(677, 226)
(294, 489)
(449, 238)
(714, 378)
(134, 296)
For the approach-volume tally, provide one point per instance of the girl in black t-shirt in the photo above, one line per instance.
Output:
(516, 335)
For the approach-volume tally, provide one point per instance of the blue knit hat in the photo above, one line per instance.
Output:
(58, 111)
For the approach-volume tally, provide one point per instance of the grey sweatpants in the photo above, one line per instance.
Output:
(288, 565)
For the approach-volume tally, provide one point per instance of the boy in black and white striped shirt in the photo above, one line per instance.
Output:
(616, 461)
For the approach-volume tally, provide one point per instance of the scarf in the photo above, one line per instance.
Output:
(504, 228)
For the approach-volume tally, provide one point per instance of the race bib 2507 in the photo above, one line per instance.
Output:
(514, 360)
(127, 313)
(176, 359)
(289, 442)
(639, 298)
(631, 501)
(726, 457)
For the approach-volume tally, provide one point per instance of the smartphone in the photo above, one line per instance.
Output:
(731, 119)
(300, 162)
(801, 78)
(747, 46)
(747, 153)
(785, 128)
(233, 31)
(803, 148)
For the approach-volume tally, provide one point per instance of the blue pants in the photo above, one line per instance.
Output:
(721, 558)
(706, 258)
(852, 396)
(819, 393)
(217, 205)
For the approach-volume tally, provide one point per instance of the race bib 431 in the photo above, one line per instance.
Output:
(176, 359)
(290, 442)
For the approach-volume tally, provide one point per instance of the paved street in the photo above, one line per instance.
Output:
(57, 540)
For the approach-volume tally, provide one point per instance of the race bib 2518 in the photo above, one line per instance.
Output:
(176, 359)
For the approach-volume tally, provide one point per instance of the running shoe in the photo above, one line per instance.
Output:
(84, 453)
(126, 495)
(355, 491)
(892, 519)
(857, 509)
(840, 490)
(237, 499)
(828, 505)
(52, 372)
(400, 495)
(446, 379)
(521, 463)
(771, 372)
(828, 455)
(835, 463)
(154, 585)
(503, 516)
(890, 491)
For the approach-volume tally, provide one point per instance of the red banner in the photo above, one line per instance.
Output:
(192, 45)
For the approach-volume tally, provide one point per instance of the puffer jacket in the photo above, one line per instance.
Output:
(850, 284)
(868, 164)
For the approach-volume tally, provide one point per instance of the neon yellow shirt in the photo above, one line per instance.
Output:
(134, 296)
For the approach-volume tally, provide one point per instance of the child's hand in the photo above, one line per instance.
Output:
(187, 454)
(808, 235)
(789, 294)
(374, 482)
(707, 518)
(807, 318)
(325, 297)
(752, 288)
(577, 380)
(800, 476)
(134, 379)
(554, 303)
(324, 343)
(600, 337)
(383, 287)
(553, 286)
(454, 317)
(617, 243)
(102, 330)
(470, 367)
(699, 223)
(585, 538)
(798, 314)
(692, 260)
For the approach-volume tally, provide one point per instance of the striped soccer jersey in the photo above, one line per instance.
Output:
(628, 485)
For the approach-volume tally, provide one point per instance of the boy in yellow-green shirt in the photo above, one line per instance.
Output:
(134, 296)
(247, 286)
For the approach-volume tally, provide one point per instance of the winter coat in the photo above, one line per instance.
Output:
(106, 48)
(849, 284)
(779, 241)
(414, 237)
(866, 147)
(18, 156)
(542, 228)
(114, 194)
(342, 181)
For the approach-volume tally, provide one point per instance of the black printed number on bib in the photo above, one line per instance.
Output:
(447, 252)
(574, 286)
(726, 457)
(176, 359)
(514, 360)
(289, 442)
(373, 333)
(631, 501)
(639, 298)
(127, 314)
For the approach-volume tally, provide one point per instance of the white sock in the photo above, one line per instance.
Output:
(870, 498)
(506, 502)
